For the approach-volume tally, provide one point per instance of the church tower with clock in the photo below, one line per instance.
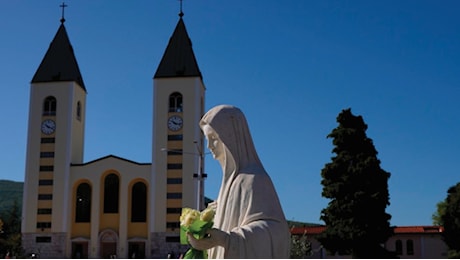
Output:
(178, 107)
(111, 206)
(55, 140)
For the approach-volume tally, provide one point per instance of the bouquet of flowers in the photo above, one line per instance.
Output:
(195, 222)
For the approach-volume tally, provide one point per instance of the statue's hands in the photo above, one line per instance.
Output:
(215, 237)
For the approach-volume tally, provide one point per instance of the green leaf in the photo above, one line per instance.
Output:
(195, 254)
(197, 228)
(183, 235)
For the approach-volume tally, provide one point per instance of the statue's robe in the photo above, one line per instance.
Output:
(248, 206)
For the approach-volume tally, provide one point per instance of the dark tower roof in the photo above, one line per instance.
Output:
(178, 59)
(59, 63)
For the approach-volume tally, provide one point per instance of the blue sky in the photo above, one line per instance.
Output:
(291, 66)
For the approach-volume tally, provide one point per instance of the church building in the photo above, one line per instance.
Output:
(111, 206)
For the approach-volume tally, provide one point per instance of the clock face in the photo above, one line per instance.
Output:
(175, 123)
(48, 126)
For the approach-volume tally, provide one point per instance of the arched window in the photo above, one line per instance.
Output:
(398, 246)
(78, 110)
(139, 202)
(49, 106)
(83, 203)
(111, 185)
(175, 102)
(410, 247)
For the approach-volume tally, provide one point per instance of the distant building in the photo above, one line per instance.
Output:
(409, 242)
(111, 206)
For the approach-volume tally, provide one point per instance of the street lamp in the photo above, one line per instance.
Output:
(200, 176)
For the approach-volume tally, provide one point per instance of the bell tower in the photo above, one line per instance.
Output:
(54, 141)
(178, 105)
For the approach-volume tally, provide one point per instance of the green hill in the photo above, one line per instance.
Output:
(293, 223)
(10, 192)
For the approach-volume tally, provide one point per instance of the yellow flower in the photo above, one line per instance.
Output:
(184, 213)
(197, 223)
(188, 216)
(207, 214)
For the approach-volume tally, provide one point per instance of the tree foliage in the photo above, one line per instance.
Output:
(357, 187)
(449, 216)
(10, 235)
(440, 211)
(300, 247)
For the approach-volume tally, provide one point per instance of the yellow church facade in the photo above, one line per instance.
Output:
(111, 206)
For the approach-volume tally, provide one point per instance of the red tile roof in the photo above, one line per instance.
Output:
(418, 229)
(310, 230)
(315, 230)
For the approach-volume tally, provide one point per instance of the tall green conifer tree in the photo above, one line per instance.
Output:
(357, 187)
(449, 216)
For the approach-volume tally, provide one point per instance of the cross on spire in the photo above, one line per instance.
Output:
(181, 13)
(63, 5)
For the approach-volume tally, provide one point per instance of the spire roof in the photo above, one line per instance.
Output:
(59, 63)
(178, 59)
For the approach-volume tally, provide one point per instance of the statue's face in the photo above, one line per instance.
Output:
(215, 145)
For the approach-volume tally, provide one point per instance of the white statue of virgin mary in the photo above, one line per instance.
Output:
(249, 221)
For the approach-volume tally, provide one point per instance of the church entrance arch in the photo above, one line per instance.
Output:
(108, 241)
